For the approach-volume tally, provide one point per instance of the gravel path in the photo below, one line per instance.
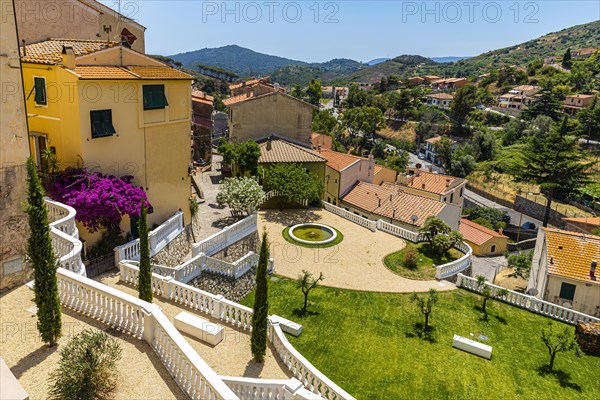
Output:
(142, 374)
(356, 263)
(231, 357)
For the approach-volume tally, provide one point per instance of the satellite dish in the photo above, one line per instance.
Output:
(418, 166)
(414, 218)
(533, 291)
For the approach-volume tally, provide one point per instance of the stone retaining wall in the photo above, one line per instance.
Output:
(232, 289)
(536, 210)
(176, 251)
(240, 248)
(588, 337)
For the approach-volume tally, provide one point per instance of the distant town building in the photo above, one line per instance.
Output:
(519, 97)
(575, 102)
(431, 149)
(440, 100)
(449, 83)
(202, 127)
(584, 53)
(445, 188)
(320, 141)
(583, 225)
(483, 241)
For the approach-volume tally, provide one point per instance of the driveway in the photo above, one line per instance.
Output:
(487, 266)
(356, 263)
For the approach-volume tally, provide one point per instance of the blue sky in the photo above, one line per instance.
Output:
(361, 30)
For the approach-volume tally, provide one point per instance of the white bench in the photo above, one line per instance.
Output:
(199, 328)
(10, 388)
(286, 325)
(471, 346)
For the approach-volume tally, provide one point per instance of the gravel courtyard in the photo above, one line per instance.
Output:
(356, 263)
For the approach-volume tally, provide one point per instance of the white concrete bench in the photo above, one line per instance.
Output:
(287, 326)
(10, 387)
(471, 346)
(199, 328)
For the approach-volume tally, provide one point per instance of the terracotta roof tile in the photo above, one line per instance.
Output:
(441, 96)
(49, 51)
(394, 204)
(281, 151)
(570, 254)
(476, 233)
(430, 182)
(595, 221)
(103, 72)
(238, 99)
(339, 161)
(157, 72)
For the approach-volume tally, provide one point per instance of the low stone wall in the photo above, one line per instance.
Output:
(536, 210)
(490, 196)
(239, 249)
(232, 289)
(522, 245)
(176, 251)
(587, 335)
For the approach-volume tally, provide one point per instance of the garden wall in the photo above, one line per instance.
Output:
(490, 196)
(175, 252)
(536, 210)
(240, 248)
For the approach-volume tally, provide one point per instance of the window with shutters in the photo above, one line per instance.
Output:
(102, 125)
(39, 87)
(567, 291)
(154, 97)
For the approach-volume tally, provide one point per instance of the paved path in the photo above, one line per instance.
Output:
(487, 266)
(356, 263)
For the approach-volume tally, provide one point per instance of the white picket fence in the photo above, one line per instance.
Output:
(240, 317)
(226, 237)
(527, 302)
(443, 271)
(157, 239)
(65, 236)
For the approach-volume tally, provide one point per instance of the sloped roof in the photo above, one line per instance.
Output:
(570, 254)
(339, 161)
(277, 150)
(397, 205)
(476, 233)
(49, 51)
(441, 96)
(237, 99)
(98, 72)
(156, 72)
(433, 183)
(593, 221)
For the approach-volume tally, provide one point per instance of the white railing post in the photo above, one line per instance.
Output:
(217, 311)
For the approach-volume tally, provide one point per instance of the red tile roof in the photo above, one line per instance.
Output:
(281, 151)
(476, 233)
(397, 205)
(238, 99)
(339, 161)
(430, 182)
(49, 51)
(570, 254)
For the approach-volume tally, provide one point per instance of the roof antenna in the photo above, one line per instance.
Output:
(107, 30)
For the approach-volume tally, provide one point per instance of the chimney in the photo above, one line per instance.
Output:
(269, 143)
(24, 48)
(68, 57)
(378, 202)
(423, 186)
(593, 266)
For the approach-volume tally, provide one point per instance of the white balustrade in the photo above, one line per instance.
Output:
(157, 239)
(64, 235)
(527, 302)
(443, 271)
(275, 193)
(312, 379)
(268, 389)
(226, 237)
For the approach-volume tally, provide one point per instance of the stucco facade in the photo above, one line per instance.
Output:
(271, 113)
(153, 145)
(14, 150)
(40, 20)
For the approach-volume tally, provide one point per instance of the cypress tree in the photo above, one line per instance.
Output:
(260, 317)
(43, 261)
(145, 275)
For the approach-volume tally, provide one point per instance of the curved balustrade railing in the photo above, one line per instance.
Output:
(527, 302)
(443, 271)
(269, 389)
(226, 237)
(65, 236)
(312, 379)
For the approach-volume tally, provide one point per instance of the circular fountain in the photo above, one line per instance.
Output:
(312, 233)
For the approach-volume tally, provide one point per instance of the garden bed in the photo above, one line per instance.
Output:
(426, 259)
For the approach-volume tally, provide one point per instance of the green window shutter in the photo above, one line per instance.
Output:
(101, 121)
(40, 91)
(567, 291)
(154, 97)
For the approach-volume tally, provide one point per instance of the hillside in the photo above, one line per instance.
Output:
(552, 44)
(240, 60)
(302, 74)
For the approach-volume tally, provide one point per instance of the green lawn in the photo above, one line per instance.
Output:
(337, 240)
(368, 344)
(426, 259)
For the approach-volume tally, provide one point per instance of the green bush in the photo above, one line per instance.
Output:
(87, 368)
(410, 257)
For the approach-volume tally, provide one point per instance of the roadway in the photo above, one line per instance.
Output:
(516, 218)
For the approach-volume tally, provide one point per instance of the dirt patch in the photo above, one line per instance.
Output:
(504, 279)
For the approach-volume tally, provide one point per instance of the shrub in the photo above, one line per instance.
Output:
(87, 367)
(410, 256)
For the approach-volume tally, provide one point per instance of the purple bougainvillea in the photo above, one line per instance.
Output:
(100, 200)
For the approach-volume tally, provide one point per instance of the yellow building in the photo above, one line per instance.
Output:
(445, 188)
(565, 270)
(483, 241)
(113, 110)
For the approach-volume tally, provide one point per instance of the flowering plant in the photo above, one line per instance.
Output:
(100, 200)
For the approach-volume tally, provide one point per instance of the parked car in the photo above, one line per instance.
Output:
(529, 225)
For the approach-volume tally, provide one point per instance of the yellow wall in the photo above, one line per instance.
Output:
(272, 114)
(384, 175)
(586, 300)
(151, 145)
(331, 186)
(486, 248)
